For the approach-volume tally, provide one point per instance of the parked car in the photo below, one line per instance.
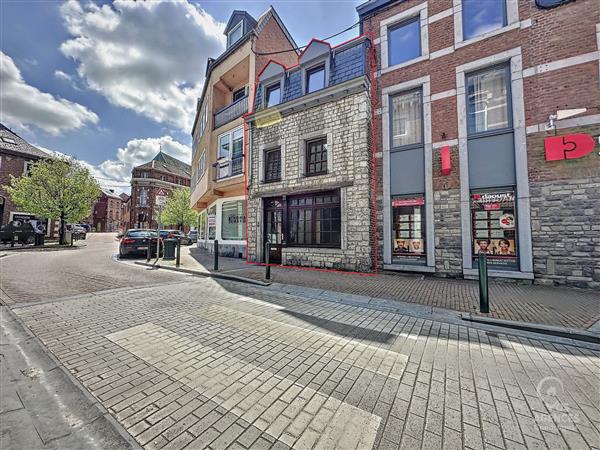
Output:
(193, 235)
(23, 231)
(78, 231)
(135, 241)
(175, 234)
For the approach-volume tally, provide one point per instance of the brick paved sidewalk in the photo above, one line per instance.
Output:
(566, 307)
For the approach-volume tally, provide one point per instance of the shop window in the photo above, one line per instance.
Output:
(404, 42)
(211, 221)
(488, 100)
(233, 221)
(273, 96)
(494, 227)
(407, 119)
(202, 226)
(408, 230)
(316, 157)
(315, 220)
(315, 79)
(272, 165)
(480, 17)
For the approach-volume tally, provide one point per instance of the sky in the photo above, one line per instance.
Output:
(110, 83)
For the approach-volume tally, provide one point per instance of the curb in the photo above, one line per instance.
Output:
(206, 274)
(570, 333)
(43, 248)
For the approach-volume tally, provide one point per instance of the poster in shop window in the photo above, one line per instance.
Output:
(494, 227)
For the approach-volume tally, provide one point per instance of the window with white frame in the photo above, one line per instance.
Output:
(407, 119)
(482, 16)
(235, 34)
(488, 100)
(230, 153)
(202, 164)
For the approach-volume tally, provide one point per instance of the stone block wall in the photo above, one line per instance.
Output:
(345, 123)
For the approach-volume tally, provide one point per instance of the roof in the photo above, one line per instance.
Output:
(236, 13)
(20, 145)
(125, 197)
(108, 193)
(371, 6)
(167, 163)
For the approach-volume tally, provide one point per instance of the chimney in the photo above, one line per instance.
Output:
(112, 191)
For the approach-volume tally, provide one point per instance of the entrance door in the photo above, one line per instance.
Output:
(273, 227)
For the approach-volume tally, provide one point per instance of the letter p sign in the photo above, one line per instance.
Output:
(571, 146)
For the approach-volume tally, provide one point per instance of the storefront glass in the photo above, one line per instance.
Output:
(211, 221)
(408, 230)
(202, 226)
(233, 223)
(495, 228)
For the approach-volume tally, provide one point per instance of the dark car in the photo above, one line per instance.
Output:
(193, 235)
(135, 242)
(175, 234)
(22, 231)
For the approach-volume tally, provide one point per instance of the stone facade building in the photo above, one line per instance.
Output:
(152, 183)
(107, 212)
(310, 162)
(487, 137)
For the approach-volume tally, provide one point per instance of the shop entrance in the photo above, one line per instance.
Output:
(273, 227)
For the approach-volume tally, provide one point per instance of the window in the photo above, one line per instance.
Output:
(163, 178)
(235, 34)
(211, 220)
(202, 164)
(233, 221)
(272, 165)
(488, 102)
(494, 227)
(9, 140)
(144, 174)
(316, 157)
(273, 96)
(404, 42)
(239, 94)
(408, 230)
(407, 119)
(202, 226)
(315, 79)
(143, 198)
(315, 220)
(27, 167)
(224, 146)
(480, 17)
(231, 152)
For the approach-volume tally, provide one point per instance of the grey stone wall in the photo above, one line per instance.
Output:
(448, 238)
(565, 223)
(345, 123)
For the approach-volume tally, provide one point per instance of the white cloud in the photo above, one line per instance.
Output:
(149, 57)
(24, 105)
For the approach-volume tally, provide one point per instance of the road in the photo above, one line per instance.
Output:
(201, 363)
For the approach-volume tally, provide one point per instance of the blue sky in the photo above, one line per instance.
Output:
(109, 82)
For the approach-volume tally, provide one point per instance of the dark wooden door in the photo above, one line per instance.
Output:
(273, 228)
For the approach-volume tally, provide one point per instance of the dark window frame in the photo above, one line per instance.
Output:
(302, 204)
(317, 68)
(401, 24)
(462, 14)
(242, 90)
(307, 159)
(268, 171)
(270, 88)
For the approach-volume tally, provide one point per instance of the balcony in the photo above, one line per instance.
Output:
(228, 168)
(231, 112)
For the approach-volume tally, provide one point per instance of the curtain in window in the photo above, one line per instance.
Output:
(407, 112)
(488, 100)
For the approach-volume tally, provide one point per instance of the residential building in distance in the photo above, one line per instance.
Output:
(125, 210)
(151, 184)
(107, 212)
(16, 155)
(310, 182)
(487, 137)
(218, 132)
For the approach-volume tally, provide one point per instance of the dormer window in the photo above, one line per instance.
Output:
(315, 79)
(235, 34)
(273, 96)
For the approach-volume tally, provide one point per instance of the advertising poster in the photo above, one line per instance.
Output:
(408, 233)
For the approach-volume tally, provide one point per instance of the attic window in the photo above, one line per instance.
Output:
(235, 34)
(9, 140)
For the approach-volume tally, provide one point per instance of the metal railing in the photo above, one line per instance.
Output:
(229, 168)
(231, 112)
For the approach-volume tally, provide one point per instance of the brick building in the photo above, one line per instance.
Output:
(465, 91)
(217, 161)
(310, 160)
(15, 156)
(125, 210)
(107, 212)
(152, 182)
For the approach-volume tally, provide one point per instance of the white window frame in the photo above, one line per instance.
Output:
(419, 11)
(26, 166)
(228, 158)
(202, 164)
(233, 30)
(512, 23)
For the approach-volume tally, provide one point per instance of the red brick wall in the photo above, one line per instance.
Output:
(9, 165)
(273, 39)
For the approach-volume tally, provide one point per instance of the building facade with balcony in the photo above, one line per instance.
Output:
(217, 182)
(310, 182)
(151, 184)
(487, 135)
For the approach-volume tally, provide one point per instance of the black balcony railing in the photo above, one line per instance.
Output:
(231, 112)
(228, 168)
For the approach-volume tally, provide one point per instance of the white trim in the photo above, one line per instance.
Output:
(562, 64)
(598, 44)
(442, 52)
(444, 94)
(425, 84)
(512, 23)
(592, 119)
(449, 143)
(441, 15)
(239, 25)
(419, 11)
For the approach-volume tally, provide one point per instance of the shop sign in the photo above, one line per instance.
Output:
(491, 201)
(571, 146)
(161, 200)
(212, 220)
(236, 219)
(417, 201)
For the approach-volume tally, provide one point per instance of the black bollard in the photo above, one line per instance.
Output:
(268, 266)
(178, 252)
(484, 301)
(216, 249)
(149, 252)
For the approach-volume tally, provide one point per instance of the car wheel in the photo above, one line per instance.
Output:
(30, 240)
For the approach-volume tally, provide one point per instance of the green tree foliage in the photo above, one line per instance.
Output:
(55, 188)
(177, 211)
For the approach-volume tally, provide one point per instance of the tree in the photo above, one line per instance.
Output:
(56, 187)
(177, 211)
